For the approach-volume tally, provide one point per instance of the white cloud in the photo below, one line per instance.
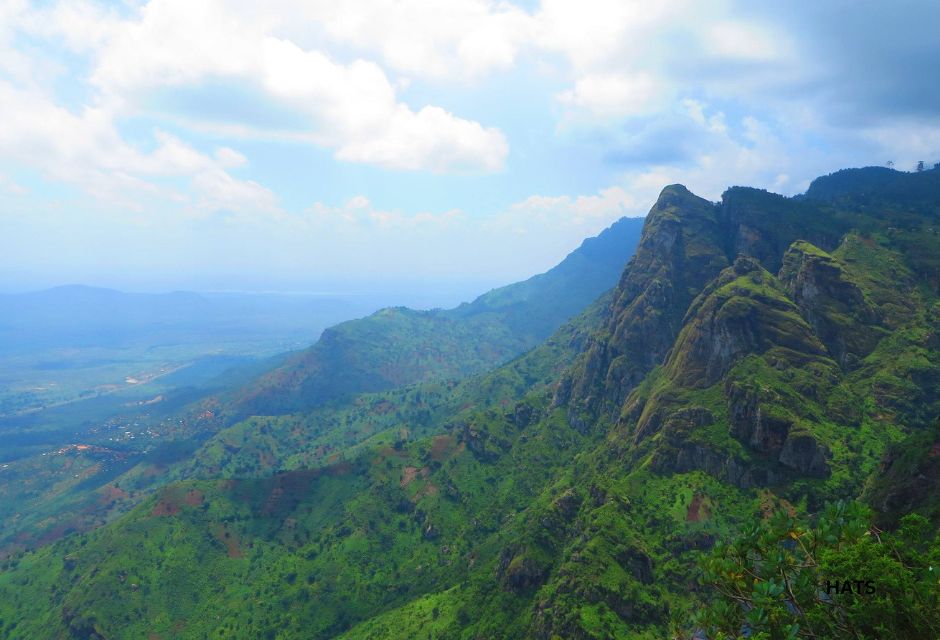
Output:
(616, 95)
(351, 108)
(86, 151)
(733, 39)
(229, 158)
(513, 243)
(454, 41)
(594, 33)
(585, 213)
(362, 120)
(169, 108)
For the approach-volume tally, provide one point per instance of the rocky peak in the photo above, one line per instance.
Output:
(830, 302)
(745, 310)
(681, 250)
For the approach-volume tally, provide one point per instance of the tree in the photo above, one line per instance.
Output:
(890, 164)
(783, 579)
(920, 166)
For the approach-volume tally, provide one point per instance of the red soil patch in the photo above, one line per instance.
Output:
(409, 474)
(54, 534)
(165, 508)
(429, 489)
(288, 489)
(112, 494)
(698, 510)
(193, 497)
(230, 540)
(441, 446)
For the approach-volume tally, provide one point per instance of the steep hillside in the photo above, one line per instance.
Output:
(759, 354)
(399, 346)
(47, 496)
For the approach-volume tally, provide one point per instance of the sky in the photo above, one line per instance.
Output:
(318, 145)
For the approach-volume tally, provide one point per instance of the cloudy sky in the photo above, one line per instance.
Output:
(289, 145)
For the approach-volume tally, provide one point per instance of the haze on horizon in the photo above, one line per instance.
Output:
(309, 146)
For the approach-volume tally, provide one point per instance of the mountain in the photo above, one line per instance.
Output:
(399, 346)
(759, 355)
(71, 489)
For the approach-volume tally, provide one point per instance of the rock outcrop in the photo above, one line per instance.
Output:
(830, 302)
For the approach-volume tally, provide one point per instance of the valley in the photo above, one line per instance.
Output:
(763, 373)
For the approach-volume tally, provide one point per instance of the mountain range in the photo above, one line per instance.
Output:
(407, 479)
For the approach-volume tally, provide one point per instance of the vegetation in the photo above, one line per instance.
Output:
(661, 466)
(399, 346)
(838, 577)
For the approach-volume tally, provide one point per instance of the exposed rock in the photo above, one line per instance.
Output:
(520, 572)
(429, 531)
(832, 304)
(638, 563)
(690, 456)
(598, 495)
(680, 251)
(475, 440)
(743, 311)
(749, 424)
(802, 453)
(908, 478)
(670, 418)
(762, 225)
(567, 504)
(523, 415)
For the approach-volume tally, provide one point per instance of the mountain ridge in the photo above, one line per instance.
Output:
(397, 346)
(759, 354)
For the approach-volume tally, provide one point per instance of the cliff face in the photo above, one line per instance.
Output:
(744, 335)
(759, 353)
(831, 303)
(681, 249)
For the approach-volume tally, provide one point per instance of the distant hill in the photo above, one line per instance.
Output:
(398, 346)
(77, 315)
(761, 358)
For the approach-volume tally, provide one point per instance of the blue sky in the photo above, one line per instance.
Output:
(316, 145)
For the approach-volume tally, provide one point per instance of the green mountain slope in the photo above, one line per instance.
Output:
(760, 353)
(399, 346)
(44, 497)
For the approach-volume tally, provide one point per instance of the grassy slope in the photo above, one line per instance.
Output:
(505, 521)
(400, 346)
(45, 497)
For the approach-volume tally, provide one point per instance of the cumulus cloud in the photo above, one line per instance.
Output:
(611, 94)
(350, 107)
(453, 41)
(85, 150)
(176, 110)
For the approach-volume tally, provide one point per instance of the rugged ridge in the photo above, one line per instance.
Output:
(399, 346)
(759, 353)
(681, 249)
